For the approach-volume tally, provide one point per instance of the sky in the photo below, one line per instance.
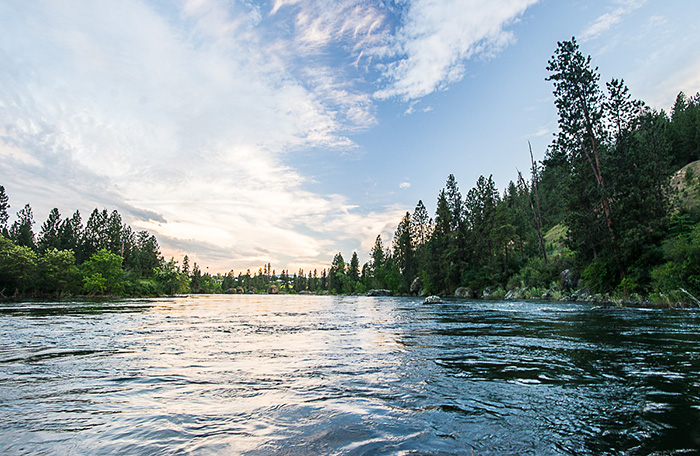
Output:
(245, 132)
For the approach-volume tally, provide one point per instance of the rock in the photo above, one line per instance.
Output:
(239, 290)
(416, 285)
(273, 289)
(566, 280)
(512, 295)
(433, 299)
(486, 293)
(464, 292)
(380, 293)
(304, 292)
(547, 295)
(251, 290)
(231, 291)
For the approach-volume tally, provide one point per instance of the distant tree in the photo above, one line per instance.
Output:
(684, 132)
(58, 272)
(148, 253)
(49, 234)
(336, 275)
(4, 214)
(420, 226)
(103, 274)
(94, 236)
(354, 268)
(186, 266)
(21, 230)
(404, 254)
(69, 235)
(482, 218)
(18, 268)
(376, 266)
(169, 278)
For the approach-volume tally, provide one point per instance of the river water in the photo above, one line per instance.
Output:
(306, 375)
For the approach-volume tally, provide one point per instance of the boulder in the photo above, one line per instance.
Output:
(464, 292)
(566, 280)
(273, 289)
(512, 295)
(239, 290)
(416, 285)
(231, 291)
(433, 299)
(380, 293)
(486, 293)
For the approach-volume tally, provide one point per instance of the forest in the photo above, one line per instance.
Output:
(611, 212)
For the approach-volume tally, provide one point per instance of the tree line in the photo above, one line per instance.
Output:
(598, 213)
(599, 207)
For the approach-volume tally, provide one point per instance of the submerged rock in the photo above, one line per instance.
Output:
(433, 299)
(380, 293)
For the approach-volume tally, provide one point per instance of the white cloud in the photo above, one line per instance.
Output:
(608, 20)
(438, 37)
(186, 132)
(186, 117)
(405, 185)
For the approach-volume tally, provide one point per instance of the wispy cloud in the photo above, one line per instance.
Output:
(608, 20)
(437, 38)
(186, 116)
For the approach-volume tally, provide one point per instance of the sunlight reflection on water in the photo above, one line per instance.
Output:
(345, 375)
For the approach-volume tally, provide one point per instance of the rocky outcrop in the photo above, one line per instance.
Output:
(380, 293)
(434, 299)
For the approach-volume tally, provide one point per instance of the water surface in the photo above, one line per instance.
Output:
(299, 375)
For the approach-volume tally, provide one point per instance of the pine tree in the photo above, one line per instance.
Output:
(582, 137)
(4, 214)
(21, 230)
(403, 253)
(49, 235)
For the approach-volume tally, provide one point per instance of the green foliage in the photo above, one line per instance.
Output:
(58, 272)
(599, 276)
(18, 268)
(103, 274)
(21, 231)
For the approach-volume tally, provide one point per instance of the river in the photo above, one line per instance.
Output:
(307, 375)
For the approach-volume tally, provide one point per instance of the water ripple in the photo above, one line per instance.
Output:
(298, 375)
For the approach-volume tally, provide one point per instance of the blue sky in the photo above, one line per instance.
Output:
(250, 132)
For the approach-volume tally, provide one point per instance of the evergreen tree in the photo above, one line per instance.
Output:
(94, 233)
(354, 269)
(582, 137)
(377, 259)
(21, 230)
(420, 226)
(403, 253)
(49, 234)
(336, 275)
(482, 218)
(70, 233)
(4, 214)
